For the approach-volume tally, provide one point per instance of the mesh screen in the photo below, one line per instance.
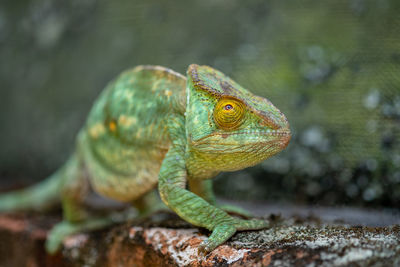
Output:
(333, 67)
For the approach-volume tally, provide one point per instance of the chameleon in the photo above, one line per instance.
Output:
(150, 128)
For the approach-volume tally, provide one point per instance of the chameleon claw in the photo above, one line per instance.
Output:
(206, 247)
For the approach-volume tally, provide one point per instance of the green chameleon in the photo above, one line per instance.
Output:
(153, 126)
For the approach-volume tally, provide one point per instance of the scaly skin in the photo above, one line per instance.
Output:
(153, 122)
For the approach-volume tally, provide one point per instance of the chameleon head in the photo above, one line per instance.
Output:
(228, 125)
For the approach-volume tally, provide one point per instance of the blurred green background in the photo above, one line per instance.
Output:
(333, 67)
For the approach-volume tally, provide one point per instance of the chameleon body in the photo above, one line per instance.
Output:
(152, 126)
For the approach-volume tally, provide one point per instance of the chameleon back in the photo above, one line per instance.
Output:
(126, 136)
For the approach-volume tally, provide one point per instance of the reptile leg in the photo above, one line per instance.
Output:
(194, 209)
(74, 189)
(77, 217)
(203, 188)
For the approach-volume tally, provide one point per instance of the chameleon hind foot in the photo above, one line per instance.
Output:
(223, 232)
(64, 229)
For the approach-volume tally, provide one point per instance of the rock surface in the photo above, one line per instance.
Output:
(165, 240)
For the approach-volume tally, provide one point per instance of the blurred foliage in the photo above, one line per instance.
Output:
(333, 67)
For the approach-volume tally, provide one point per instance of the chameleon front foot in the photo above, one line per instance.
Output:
(219, 235)
(223, 232)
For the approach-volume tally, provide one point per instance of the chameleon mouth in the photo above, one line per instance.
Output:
(283, 143)
(281, 136)
(278, 138)
(277, 133)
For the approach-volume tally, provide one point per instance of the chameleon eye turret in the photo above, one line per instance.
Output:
(154, 127)
(229, 113)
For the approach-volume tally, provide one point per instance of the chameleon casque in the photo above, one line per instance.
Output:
(152, 126)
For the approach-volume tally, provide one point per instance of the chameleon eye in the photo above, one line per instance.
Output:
(228, 107)
(228, 113)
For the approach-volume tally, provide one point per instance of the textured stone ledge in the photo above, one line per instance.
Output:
(165, 240)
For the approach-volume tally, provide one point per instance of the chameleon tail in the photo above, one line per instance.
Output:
(39, 197)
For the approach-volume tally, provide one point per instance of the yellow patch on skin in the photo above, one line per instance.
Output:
(112, 126)
(126, 121)
(168, 93)
(96, 130)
